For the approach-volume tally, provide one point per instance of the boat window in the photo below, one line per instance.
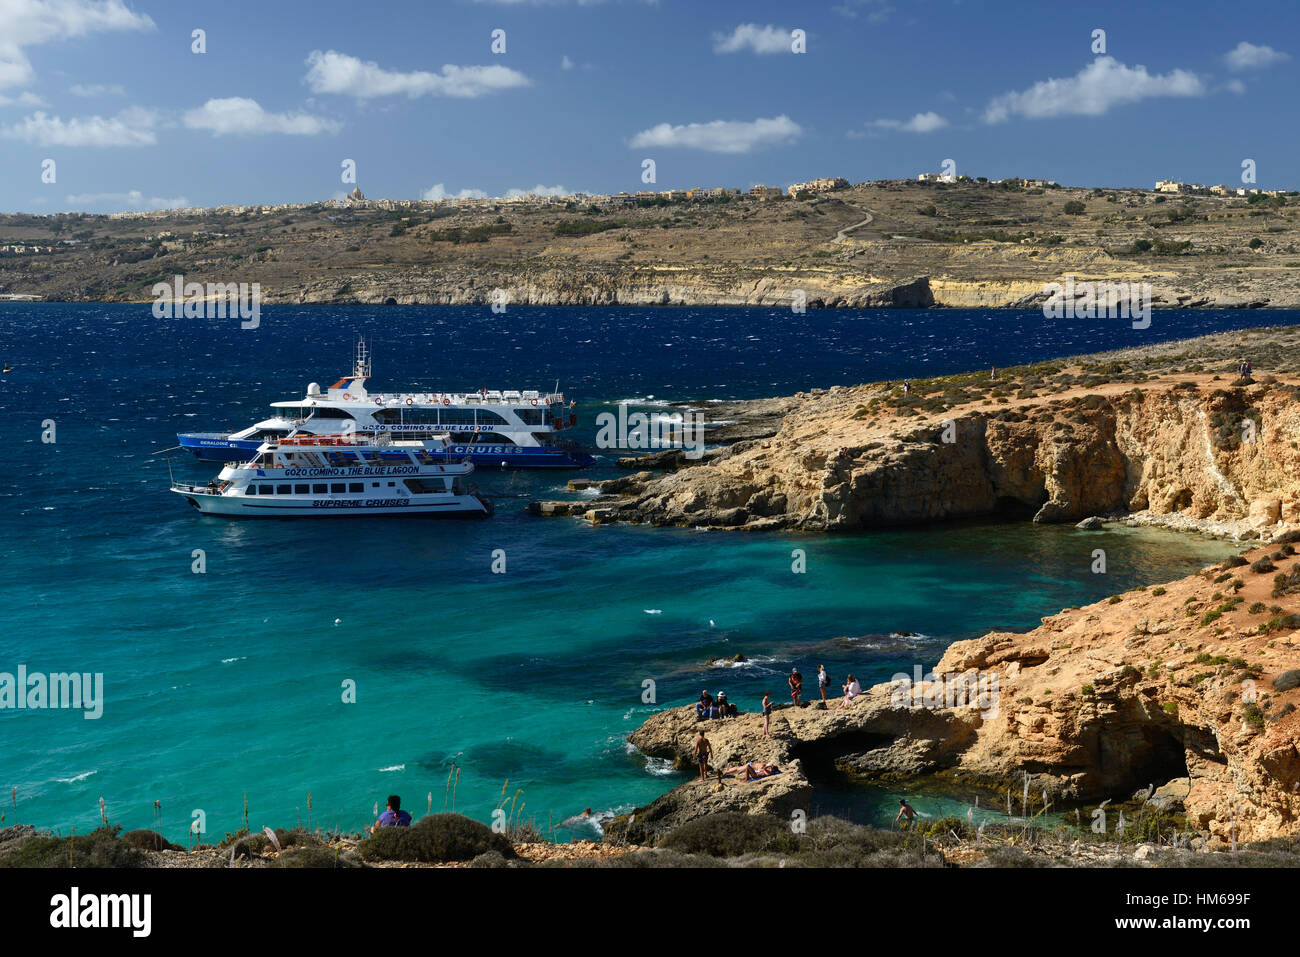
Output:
(336, 488)
(439, 416)
(356, 486)
(532, 416)
(495, 438)
(392, 484)
(300, 490)
(319, 489)
(324, 415)
(424, 486)
(251, 490)
(267, 489)
(283, 489)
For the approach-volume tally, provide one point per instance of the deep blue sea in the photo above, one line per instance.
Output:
(228, 685)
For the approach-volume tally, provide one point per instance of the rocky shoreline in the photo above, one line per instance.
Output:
(1164, 438)
(1190, 689)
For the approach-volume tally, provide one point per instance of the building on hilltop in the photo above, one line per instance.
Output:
(823, 185)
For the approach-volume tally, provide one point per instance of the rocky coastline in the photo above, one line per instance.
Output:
(1187, 689)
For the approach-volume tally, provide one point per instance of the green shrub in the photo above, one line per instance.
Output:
(438, 837)
(102, 847)
(318, 857)
(146, 840)
(730, 834)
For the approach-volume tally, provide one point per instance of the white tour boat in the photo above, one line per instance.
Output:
(498, 429)
(344, 474)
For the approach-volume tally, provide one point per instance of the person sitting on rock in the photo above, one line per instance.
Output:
(704, 709)
(851, 690)
(725, 708)
(394, 816)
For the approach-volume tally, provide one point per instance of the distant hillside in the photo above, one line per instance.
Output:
(965, 244)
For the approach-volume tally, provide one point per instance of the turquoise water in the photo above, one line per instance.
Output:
(230, 683)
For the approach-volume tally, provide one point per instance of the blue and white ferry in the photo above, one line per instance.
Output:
(489, 427)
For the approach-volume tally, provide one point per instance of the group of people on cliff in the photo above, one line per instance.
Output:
(709, 708)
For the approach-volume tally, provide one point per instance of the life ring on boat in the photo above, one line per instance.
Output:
(446, 401)
(534, 401)
(410, 401)
(347, 396)
(379, 400)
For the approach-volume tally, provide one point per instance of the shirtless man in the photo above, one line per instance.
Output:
(703, 751)
(906, 810)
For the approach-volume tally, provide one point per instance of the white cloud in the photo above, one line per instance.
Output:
(566, 63)
(1236, 86)
(1103, 83)
(25, 98)
(438, 192)
(131, 127)
(1248, 56)
(130, 200)
(25, 23)
(96, 89)
(540, 190)
(921, 123)
(752, 37)
(240, 116)
(721, 136)
(877, 11)
(333, 72)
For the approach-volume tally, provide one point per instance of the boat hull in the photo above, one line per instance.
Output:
(214, 447)
(249, 506)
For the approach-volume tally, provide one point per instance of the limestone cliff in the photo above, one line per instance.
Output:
(1191, 686)
(1174, 449)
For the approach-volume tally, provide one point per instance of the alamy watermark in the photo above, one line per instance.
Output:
(968, 689)
(37, 691)
(1099, 300)
(216, 300)
(640, 431)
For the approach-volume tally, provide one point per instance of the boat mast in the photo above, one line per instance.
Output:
(361, 367)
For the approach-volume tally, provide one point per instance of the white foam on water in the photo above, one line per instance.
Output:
(75, 778)
(654, 611)
(395, 767)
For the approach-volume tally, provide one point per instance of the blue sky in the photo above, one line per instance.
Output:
(585, 91)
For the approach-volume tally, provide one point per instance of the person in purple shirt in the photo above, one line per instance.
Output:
(394, 816)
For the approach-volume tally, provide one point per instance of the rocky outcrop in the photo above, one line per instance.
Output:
(1166, 689)
(1168, 449)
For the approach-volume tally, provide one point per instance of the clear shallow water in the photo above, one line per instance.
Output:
(229, 682)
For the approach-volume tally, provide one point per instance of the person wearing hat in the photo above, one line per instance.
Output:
(725, 708)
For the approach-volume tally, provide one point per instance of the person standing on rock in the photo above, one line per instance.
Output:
(796, 686)
(823, 680)
(767, 712)
(703, 751)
